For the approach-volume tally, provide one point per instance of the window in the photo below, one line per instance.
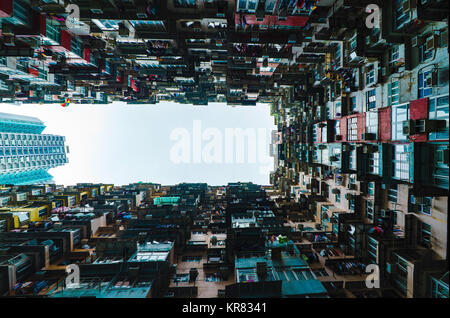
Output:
(52, 30)
(392, 195)
(374, 163)
(353, 104)
(20, 13)
(372, 248)
(439, 289)
(402, 13)
(425, 235)
(371, 99)
(318, 113)
(425, 52)
(337, 127)
(425, 84)
(352, 128)
(181, 278)
(324, 134)
(338, 109)
(270, 6)
(400, 114)
(315, 155)
(303, 274)
(401, 162)
(154, 25)
(337, 53)
(314, 133)
(352, 159)
(393, 93)
(353, 43)
(338, 197)
(400, 278)
(351, 204)
(424, 205)
(42, 212)
(321, 272)
(324, 215)
(191, 259)
(439, 110)
(185, 3)
(93, 60)
(76, 46)
(369, 210)
(370, 75)
(440, 169)
(247, 5)
(371, 188)
(394, 55)
(372, 123)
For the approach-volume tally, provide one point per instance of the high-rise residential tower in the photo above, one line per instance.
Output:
(26, 154)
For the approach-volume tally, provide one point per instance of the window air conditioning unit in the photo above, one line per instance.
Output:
(406, 6)
(433, 125)
(368, 149)
(260, 12)
(391, 268)
(418, 41)
(8, 40)
(443, 156)
(292, 38)
(444, 39)
(351, 186)
(97, 11)
(432, 79)
(385, 213)
(123, 30)
(406, 127)
(261, 268)
(368, 68)
(35, 3)
(369, 136)
(431, 43)
(142, 15)
(255, 36)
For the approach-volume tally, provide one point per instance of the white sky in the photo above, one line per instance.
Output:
(120, 143)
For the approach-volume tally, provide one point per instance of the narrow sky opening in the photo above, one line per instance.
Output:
(121, 143)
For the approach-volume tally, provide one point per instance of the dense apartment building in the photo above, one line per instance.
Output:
(362, 140)
(146, 51)
(194, 240)
(26, 154)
